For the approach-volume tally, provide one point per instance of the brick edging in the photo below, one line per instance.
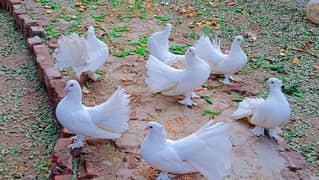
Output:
(53, 82)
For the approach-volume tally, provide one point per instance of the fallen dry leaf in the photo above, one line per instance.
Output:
(85, 90)
(295, 60)
(308, 44)
(49, 12)
(199, 25)
(317, 66)
(190, 15)
(282, 52)
(231, 4)
(47, 7)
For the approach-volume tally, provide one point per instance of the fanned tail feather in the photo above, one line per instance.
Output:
(114, 113)
(72, 51)
(207, 51)
(247, 107)
(213, 161)
(158, 75)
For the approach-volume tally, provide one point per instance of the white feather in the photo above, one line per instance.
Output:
(206, 151)
(107, 120)
(158, 46)
(221, 63)
(268, 113)
(247, 107)
(81, 54)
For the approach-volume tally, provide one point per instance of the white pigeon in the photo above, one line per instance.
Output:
(170, 81)
(81, 54)
(158, 46)
(221, 63)
(268, 113)
(207, 151)
(107, 120)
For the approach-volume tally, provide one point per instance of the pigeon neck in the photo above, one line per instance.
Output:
(159, 137)
(235, 47)
(275, 92)
(75, 97)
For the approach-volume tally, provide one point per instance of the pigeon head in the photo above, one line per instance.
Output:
(238, 39)
(168, 27)
(154, 127)
(190, 51)
(72, 86)
(274, 82)
(90, 31)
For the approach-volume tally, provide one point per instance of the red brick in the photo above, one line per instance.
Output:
(15, 14)
(65, 133)
(20, 19)
(294, 160)
(10, 4)
(50, 74)
(3, 4)
(63, 177)
(41, 51)
(61, 157)
(55, 91)
(91, 171)
(27, 23)
(36, 31)
(36, 40)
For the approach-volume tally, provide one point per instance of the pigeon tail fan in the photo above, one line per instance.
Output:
(160, 76)
(212, 141)
(207, 51)
(72, 51)
(158, 46)
(114, 113)
(247, 107)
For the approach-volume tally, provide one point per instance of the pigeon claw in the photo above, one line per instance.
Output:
(164, 176)
(258, 131)
(272, 133)
(75, 145)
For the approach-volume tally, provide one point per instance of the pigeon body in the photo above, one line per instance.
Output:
(221, 63)
(81, 54)
(206, 151)
(268, 113)
(107, 120)
(158, 46)
(170, 81)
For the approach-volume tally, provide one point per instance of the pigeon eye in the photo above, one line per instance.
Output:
(238, 39)
(151, 127)
(272, 82)
(71, 85)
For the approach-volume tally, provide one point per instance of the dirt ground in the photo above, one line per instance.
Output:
(123, 26)
(27, 128)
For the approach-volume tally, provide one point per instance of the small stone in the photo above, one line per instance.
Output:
(63, 177)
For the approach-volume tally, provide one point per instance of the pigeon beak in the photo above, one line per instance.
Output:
(146, 129)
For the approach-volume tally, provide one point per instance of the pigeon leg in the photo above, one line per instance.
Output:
(78, 142)
(273, 134)
(164, 176)
(194, 95)
(92, 76)
(188, 100)
(226, 80)
(258, 131)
